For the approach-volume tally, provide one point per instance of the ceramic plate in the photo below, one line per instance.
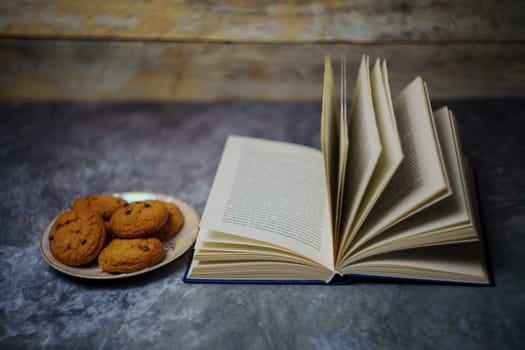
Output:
(173, 247)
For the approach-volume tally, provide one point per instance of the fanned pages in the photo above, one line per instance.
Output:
(329, 139)
(449, 220)
(421, 179)
(364, 150)
(390, 195)
(391, 156)
(343, 153)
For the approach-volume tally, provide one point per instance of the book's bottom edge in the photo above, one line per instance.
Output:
(344, 280)
(339, 280)
(239, 281)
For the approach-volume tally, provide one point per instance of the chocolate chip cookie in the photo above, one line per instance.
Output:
(102, 204)
(174, 223)
(128, 255)
(77, 237)
(138, 219)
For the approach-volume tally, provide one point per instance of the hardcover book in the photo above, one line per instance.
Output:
(389, 195)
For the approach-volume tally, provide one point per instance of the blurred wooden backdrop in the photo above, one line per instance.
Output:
(161, 50)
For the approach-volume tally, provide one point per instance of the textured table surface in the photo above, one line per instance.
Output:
(52, 153)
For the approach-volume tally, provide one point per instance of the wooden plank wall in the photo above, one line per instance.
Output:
(193, 51)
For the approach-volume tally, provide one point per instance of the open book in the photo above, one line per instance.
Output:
(389, 195)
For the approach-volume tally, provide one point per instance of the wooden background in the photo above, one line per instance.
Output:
(213, 50)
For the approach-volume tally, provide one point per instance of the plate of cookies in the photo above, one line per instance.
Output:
(108, 236)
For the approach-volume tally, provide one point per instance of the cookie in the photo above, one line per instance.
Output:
(77, 237)
(174, 223)
(128, 255)
(102, 204)
(138, 219)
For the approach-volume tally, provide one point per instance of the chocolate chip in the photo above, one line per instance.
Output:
(106, 218)
(127, 204)
(67, 222)
(51, 238)
(128, 212)
(147, 205)
(144, 248)
(84, 241)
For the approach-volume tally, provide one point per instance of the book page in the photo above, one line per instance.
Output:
(330, 129)
(421, 179)
(388, 94)
(220, 255)
(273, 192)
(392, 154)
(257, 270)
(451, 214)
(343, 153)
(472, 196)
(455, 262)
(451, 211)
(363, 151)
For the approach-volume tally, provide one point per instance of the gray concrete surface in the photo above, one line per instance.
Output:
(52, 153)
